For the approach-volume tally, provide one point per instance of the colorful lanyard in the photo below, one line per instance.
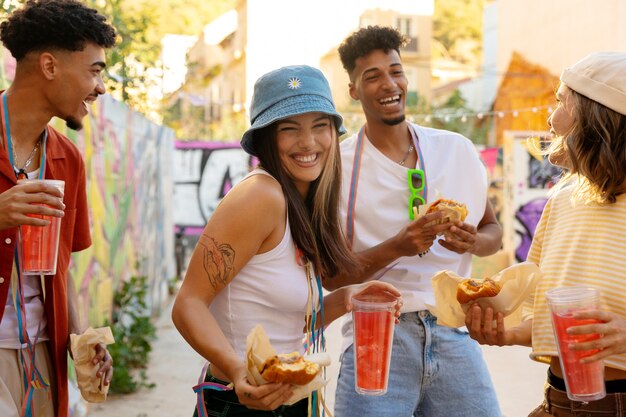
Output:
(32, 378)
(356, 169)
(203, 386)
(4, 110)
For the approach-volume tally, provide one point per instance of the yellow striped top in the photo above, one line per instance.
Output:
(577, 244)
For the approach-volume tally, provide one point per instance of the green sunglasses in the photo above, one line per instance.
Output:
(415, 178)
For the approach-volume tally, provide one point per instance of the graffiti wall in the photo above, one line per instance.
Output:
(203, 173)
(528, 177)
(129, 187)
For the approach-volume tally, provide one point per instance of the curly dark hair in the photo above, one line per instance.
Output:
(59, 24)
(366, 40)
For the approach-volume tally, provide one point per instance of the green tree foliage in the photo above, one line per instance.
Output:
(447, 116)
(127, 62)
(457, 27)
(8, 6)
(188, 17)
(141, 24)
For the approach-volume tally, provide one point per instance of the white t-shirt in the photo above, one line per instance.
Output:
(453, 170)
(272, 290)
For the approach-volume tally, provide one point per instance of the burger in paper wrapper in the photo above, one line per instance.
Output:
(91, 386)
(291, 368)
(470, 290)
(515, 282)
(264, 365)
(453, 211)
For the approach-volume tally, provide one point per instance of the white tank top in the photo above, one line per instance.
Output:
(271, 290)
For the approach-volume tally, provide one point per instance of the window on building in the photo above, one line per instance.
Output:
(365, 21)
(403, 24)
(406, 27)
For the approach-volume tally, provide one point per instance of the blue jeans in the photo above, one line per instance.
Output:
(436, 371)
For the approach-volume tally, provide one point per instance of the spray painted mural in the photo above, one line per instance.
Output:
(204, 172)
(129, 187)
(528, 177)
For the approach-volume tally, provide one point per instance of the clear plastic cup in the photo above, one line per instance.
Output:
(584, 382)
(39, 245)
(373, 321)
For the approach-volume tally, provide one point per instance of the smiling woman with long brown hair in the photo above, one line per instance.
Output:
(263, 252)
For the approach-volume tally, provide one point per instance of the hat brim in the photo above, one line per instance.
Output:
(292, 106)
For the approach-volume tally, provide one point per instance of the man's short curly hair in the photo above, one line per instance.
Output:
(366, 40)
(58, 24)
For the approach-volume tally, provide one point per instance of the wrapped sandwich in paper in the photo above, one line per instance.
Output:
(515, 284)
(91, 386)
(453, 211)
(304, 372)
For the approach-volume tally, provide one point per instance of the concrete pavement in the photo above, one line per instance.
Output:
(174, 368)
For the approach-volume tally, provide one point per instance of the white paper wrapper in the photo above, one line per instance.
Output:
(516, 283)
(91, 386)
(259, 349)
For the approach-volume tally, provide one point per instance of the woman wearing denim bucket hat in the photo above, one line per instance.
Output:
(263, 252)
(580, 237)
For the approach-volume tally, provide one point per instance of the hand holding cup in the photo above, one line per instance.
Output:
(29, 198)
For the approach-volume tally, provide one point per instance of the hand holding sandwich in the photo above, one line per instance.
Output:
(487, 328)
(482, 240)
(419, 235)
(461, 237)
(263, 397)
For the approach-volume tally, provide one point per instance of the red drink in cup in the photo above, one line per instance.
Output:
(39, 245)
(373, 321)
(584, 382)
(582, 378)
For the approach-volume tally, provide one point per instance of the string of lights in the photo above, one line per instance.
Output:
(464, 115)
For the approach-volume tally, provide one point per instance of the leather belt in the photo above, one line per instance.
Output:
(558, 404)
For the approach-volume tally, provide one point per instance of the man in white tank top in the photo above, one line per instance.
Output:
(435, 370)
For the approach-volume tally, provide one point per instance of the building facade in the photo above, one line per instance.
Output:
(261, 35)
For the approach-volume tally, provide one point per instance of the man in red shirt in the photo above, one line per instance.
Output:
(59, 47)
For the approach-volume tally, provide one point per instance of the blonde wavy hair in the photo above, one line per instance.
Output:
(595, 152)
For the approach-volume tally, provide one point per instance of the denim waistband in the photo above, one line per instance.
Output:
(421, 315)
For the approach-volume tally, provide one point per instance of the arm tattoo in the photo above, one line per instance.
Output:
(217, 261)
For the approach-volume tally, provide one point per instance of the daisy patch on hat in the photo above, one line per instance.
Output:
(294, 83)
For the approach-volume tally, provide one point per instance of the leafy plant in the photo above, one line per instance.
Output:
(134, 333)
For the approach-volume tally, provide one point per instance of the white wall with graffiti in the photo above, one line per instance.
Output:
(203, 173)
(527, 178)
